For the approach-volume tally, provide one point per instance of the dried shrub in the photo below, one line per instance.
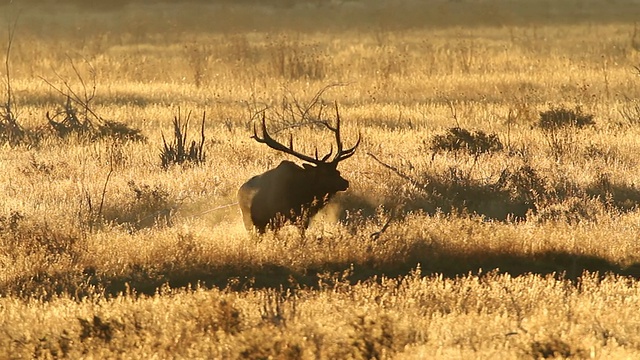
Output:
(511, 196)
(559, 125)
(259, 344)
(292, 59)
(555, 348)
(97, 328)
(120, 131)
(77, 116)
(459, 139)
(9, 223)
(70, 122)
(149, 206)
(608, 154)
(50, 247)
(623, 197)
(177, 152)
(228, 317)
(630, 111)
(199, 59)
(515, 195)
(524, 185)
(87, 124)
(373, 339)
(20, 235)
(559, 117)
(10, 130)
(571, 210)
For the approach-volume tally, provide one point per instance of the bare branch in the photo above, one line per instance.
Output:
(290, 111)
(411, 180)
(84, 100)
(106, 182)
(454, 112)
(376, 235)
(7, 66)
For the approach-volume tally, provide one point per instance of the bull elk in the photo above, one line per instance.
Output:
(290, 193)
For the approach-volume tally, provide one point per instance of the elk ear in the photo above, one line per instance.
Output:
(308, 166)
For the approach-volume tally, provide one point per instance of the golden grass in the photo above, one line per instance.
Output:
(105, 254)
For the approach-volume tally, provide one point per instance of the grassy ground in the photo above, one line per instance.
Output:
(477, 225)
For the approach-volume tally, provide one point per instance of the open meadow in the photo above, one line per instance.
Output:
(493, 202)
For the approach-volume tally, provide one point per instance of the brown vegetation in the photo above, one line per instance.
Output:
(493, 203)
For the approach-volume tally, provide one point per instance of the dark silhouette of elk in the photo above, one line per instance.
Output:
(290, 193)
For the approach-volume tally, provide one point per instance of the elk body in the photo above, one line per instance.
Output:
(289, 192)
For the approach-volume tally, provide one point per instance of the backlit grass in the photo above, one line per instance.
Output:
(528, 250)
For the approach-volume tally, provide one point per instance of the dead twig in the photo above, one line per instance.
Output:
(11, 130)
(292, 112)
(376, 235)
(411, 180)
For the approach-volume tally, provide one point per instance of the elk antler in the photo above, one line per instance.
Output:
(272, 143)
(340, 154)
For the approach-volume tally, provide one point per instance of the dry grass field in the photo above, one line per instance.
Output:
(493, 207)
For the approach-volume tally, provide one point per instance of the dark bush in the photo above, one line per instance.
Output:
(177, 152)
(459, 139)
(150, 206)
(10, 131)
(68, 121)
(558, 117)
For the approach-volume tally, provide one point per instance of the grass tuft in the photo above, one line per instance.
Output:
(177, 151)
